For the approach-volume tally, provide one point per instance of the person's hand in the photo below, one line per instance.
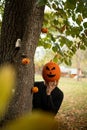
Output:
(50, 87)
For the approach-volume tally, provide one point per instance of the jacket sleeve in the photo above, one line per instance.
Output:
(54, 100)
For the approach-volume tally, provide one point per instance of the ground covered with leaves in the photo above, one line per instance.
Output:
(73, 112)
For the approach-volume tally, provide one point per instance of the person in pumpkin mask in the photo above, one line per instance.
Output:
(49, 97)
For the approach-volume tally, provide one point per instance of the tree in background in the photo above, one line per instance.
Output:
(67, 28)
(22, 24)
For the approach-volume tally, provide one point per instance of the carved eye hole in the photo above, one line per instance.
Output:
(53, 68)
(47, 68)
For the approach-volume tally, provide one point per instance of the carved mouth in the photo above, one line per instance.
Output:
(51, 75)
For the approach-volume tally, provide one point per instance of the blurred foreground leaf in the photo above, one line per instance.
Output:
(34, 121)
(7, 82)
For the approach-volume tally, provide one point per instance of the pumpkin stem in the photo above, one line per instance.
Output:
(51, 60)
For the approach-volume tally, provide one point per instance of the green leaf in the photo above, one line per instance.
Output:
(70, 4)
(82, 47)
(84, 40)
(55, 22)
(54, 48)
(70, 53)
(52, 38)
(68, 61)
(54, 6)
(41, 2)
(85, 24)
(73, 49)
(73, 16)
(47, 45)
(67, 42)
(55, 59)
(62, 41)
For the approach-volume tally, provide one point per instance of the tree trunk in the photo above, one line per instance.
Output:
(22, 20)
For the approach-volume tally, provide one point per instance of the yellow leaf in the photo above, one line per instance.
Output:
(7, 82)
(34, 121)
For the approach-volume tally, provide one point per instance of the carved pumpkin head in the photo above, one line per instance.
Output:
(51, 72)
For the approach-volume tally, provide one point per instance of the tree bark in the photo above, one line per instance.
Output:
(22, 20)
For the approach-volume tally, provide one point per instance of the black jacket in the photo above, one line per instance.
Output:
(42, 101)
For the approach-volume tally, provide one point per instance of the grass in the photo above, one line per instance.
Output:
(73, 111)
(74, 107)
